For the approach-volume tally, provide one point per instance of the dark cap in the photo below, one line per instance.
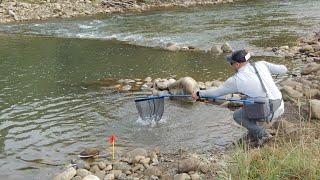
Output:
(239, 56)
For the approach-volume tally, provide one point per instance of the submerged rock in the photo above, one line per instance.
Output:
(226, 48)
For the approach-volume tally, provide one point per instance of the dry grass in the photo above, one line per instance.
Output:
(293, 154)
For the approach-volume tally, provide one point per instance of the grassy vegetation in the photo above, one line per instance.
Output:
(288, 156)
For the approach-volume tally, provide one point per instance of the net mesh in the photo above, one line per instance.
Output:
(150, 109)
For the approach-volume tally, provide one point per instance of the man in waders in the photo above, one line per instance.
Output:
(255, 81)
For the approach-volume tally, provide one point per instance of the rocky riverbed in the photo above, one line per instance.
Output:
(146, 164)
(15, 11)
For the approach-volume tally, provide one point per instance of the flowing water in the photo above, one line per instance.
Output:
(47, 115)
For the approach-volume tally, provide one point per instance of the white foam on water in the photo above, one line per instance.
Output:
(83, 26)
(151, 122)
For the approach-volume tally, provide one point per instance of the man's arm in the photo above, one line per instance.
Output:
(227, 87)
(275, 69)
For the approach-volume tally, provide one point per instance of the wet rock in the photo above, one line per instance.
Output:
(147, 86)
(182, 176)
(83, 172)
(187, 165)
(161, 84)
(121, 166)
(137, 152)
(226, 48)
(109, 177)
(315, 108)
(91, 177)
(309, 68)
(202, 86)
(148, 79)
(216, 50)
(291, 92)
(128, 81)
(126, 87)
(152, 171)
(90, 152)
(66, 175)
(170, 81)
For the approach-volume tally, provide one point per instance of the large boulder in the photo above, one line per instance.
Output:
(187, 165)
(66, 175)
(315, 108)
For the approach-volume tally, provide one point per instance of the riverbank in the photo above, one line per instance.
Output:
(292, 153)
(17, 11)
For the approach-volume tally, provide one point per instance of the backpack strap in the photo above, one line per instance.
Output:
(265, 91)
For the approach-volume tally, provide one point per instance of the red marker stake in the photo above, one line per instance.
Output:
(112, 140)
